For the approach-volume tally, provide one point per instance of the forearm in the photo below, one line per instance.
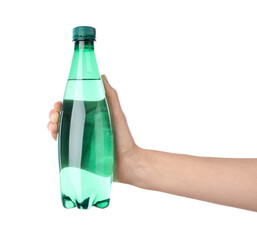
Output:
(226, 181)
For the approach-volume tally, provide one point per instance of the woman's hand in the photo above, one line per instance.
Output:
(54, 118)
(227, 181)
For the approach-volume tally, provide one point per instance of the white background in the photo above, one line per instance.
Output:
(186, 75)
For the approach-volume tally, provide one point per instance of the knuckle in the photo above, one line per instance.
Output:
(50, 113)
(114, 92)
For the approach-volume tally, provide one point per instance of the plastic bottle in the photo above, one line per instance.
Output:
(85, 138)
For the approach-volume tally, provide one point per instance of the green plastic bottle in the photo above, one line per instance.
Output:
(85, 138)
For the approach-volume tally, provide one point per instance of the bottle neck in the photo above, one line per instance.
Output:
(84, 44)
(84, 65)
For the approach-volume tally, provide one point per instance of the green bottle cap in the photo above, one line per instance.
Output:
(83, 32)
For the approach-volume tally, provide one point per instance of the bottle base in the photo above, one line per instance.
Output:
(68, 203)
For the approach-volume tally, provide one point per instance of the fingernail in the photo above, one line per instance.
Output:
(50, 126)
(105, 78)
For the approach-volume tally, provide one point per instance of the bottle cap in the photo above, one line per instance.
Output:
(83, 33)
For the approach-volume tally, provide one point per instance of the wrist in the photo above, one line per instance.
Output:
(136, 168)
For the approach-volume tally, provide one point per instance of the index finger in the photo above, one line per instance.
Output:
(58, 106)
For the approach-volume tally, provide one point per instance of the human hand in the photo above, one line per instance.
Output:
(201, 178)
(126, 151)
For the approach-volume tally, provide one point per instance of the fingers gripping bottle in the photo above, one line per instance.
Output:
(85, 138)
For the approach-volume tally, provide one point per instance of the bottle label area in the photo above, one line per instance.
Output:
(84, 90)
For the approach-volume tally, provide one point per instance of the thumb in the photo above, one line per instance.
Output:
(121, 129)
(112, 98)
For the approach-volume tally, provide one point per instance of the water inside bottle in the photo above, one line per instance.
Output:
(85, 153)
